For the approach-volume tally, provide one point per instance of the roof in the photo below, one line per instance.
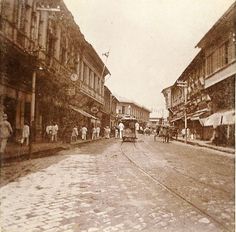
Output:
(126, 100)
(222, 19)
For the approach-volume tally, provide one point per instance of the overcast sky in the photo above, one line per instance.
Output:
(151, 42)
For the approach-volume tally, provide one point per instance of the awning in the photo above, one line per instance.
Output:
(228, 118)
(220, 76)
(176, 119)
(82, 112)
(220, 118)
(196, 116)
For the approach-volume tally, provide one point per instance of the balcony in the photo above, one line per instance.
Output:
(62, 74)
(16, 36)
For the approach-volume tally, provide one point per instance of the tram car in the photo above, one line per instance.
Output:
(129, 128)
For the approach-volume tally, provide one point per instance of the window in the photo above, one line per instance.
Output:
(95, 82)
(123, 110)
(209, 64)
(91, 82)
(87, 75)
(226, 52)
(84, 72)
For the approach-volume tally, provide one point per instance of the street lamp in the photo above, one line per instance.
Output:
(184, 85)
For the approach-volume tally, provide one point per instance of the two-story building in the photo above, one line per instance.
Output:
(49, 72)
(109, 110)
(128, 107)
(210, 84)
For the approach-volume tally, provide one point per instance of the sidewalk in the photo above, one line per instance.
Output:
(207, 144)
(15, 151)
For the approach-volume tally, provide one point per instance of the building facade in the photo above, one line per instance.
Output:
(210, 85)
(127, 107)
(49, 72)
(111, 102)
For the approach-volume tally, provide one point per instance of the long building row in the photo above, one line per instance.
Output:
(206, 88)
(49, 72)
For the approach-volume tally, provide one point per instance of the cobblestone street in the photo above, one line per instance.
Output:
(94, 188)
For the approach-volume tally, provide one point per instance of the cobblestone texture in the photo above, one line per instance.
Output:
(91, 189)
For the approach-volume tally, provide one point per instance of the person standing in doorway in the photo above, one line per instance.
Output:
(25, 134)
(84, 131)
(5, 132)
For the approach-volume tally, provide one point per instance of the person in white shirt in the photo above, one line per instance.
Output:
(136, 129)
(107, 131)
(49, 132)
(84, 132)
(74, 134)
(5, 132)
(121, 128)
(54, 132)
(94, 133)
(25, 134)
(98, 131)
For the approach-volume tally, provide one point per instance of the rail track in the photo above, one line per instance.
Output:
(190, 177)
(172, 191)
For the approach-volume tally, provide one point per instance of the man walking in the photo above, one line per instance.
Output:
(5, 132)
(84, 132)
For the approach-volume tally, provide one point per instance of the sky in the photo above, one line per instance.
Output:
(151, 42)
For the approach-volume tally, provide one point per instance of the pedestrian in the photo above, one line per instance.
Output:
(156, 132)
(183, 133)
(164, 132)
(215, 135)
(74, 134)
(167, 137)
(136, 129)
(98, 131)
(54, 132)
(5, 132)
(116, 132)
(94, 133)
(121, 128)
(25, 134)
(107, 132)
(84, 131)
(49, 132)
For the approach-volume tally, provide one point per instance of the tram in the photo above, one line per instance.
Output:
(129, 128)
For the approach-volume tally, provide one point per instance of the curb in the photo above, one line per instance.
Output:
(43, 153)
(207, 146)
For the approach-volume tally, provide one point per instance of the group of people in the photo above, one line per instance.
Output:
(52, 132)
(6, 132)
(84, 132)
(164, 132)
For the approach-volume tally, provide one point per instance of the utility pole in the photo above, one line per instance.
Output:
(184, 85)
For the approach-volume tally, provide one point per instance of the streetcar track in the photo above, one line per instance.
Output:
(192, 178)
(170, 190)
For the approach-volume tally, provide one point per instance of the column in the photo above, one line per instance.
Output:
(58, 41)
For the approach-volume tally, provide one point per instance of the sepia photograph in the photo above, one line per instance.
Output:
(117, 115)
